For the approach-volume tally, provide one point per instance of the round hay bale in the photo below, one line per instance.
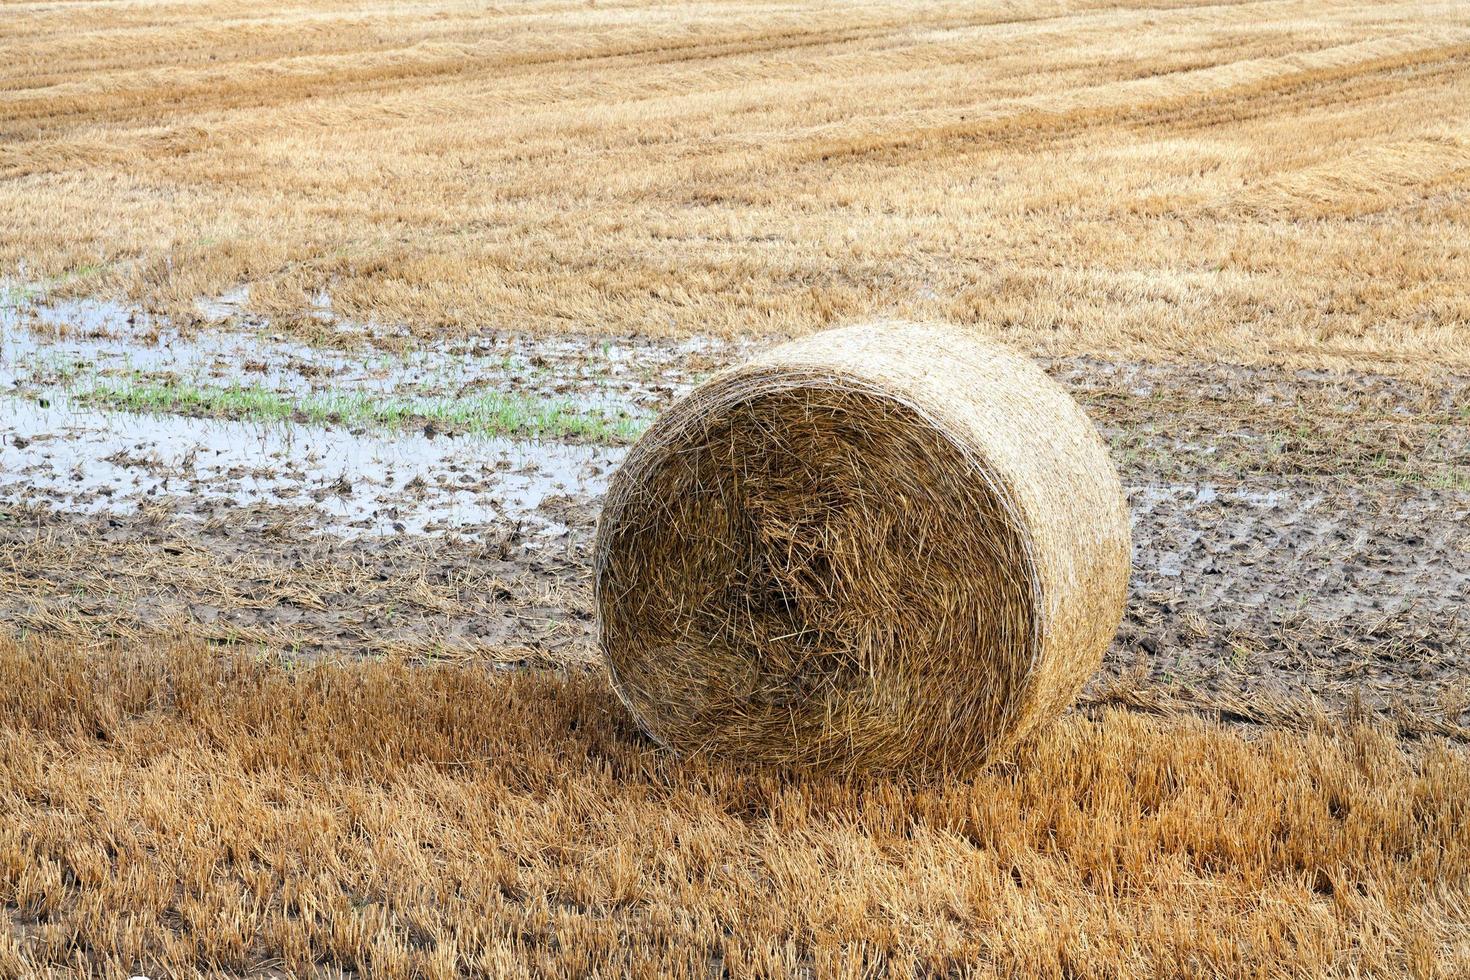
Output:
(882, 547)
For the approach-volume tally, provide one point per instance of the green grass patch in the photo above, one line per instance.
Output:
(484, 414)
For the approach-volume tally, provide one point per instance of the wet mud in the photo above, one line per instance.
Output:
(1302, 541)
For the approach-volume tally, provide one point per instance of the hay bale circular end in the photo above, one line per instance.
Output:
(882, 547)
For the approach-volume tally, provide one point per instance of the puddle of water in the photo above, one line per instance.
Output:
(55, 451)
(1145, 499)
(225, 305)
(93, 462)
(615, 378)
(1268, 499)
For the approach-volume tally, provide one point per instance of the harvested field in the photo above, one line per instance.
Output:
(1273, 180)
(1291, 656)
(1300, 536)
(324, 326)
(178, 812)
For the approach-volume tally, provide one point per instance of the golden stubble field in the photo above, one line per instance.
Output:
(1264, 181)
(255, 721)
(185, 814)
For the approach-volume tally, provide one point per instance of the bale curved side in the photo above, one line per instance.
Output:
(886, 546)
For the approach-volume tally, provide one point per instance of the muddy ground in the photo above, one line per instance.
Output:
(1302, 541)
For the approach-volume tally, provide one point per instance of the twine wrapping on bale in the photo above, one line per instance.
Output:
(882, 547)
